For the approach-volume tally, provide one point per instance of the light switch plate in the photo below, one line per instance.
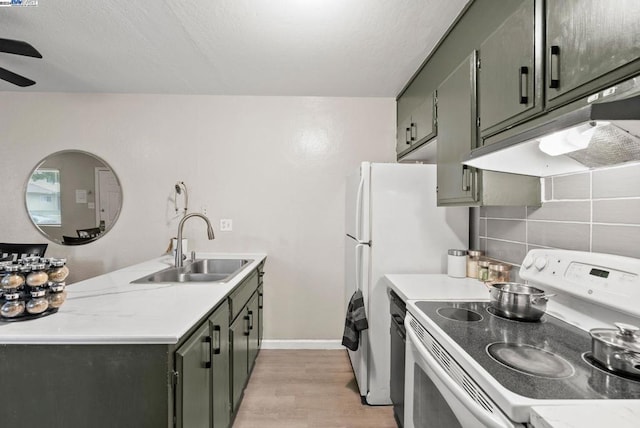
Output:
(226, 225)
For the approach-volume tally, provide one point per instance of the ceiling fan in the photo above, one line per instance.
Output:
(17, 47)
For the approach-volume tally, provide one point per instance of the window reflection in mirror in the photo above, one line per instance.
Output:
(73, 197)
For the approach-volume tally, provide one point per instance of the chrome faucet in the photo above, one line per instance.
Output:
(179, 238)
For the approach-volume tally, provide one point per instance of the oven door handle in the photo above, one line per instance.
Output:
(496, 419)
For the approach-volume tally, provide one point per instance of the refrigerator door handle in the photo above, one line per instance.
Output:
(359, 208)
(359, 266)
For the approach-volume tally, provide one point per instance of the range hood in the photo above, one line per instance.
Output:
(600, 130)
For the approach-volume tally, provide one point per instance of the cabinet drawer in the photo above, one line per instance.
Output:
(239, 298)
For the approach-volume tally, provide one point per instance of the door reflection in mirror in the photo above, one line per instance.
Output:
(73, 191)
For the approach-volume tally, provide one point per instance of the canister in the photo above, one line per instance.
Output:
(499, 272)
(457, 263)
(473, 257)
(483, 270)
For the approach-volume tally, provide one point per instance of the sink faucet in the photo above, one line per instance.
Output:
(179, 239)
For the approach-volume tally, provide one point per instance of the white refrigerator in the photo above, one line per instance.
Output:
(392, 226)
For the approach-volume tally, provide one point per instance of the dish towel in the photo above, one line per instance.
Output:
(355, 322)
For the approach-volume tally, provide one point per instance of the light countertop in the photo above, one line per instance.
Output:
(109, 309)
(436, 287)
(609, 413)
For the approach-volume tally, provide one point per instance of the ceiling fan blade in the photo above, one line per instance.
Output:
(14, 78)
(18, 47)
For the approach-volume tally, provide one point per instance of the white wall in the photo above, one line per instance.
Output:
(275, 165)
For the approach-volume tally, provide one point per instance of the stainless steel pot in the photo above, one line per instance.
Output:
(518, 301)
(617, 349)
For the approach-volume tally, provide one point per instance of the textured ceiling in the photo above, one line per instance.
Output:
(226, 47)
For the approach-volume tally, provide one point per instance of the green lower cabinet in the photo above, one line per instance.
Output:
(239, 331)
(193, 392)
(254, 330)
(220, 368)
(202, 365)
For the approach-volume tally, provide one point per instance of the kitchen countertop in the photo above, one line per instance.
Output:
(436, 287)
(609, 413)
(109, 309)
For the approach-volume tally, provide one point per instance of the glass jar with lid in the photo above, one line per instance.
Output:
(13, 277)
(38, 302)
(58, 271)
(483, 270)
(13, 305)
(38, 275)
(499, 272)
(473, 257)
(57, 295)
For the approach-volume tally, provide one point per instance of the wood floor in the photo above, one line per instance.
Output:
(306, 389)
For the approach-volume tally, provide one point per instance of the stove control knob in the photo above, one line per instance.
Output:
(541, 263)
(528, 262)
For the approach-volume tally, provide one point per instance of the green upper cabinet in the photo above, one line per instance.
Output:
(416, 117)
(510, 77)
(457, 135)
(590, 44)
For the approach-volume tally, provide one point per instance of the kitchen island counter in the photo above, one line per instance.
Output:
(108, 309)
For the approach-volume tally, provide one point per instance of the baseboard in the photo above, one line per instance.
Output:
(302, 344)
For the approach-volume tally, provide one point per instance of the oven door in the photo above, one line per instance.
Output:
(433, 398)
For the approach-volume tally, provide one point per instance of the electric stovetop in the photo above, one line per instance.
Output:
(548, 359)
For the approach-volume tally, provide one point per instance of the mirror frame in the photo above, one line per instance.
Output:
(76, 241)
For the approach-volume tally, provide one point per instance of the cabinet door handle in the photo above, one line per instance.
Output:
(407, 136)
(524, 85)
(554, 66)
(466, 178)
(250, 320)
(218, 345)
(414, 127)
(246, 332)
(206, 352)
(260, 300)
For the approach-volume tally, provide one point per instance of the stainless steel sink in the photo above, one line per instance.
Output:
(202, 270)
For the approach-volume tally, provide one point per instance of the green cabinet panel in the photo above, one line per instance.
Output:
(586, 40)
(241, 295)
(260, 315)
(239, 331)
(457, 134)
(254, 330)
(193, 363)
(220, 369)
(416, 117)
(510, 78)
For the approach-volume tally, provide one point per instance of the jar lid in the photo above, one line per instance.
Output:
(12, 296)
(38, 293)
(57, 262)
(30, 259)
(484, 263)
(475, 253)
(11, 268)
(38, 266)
(457, 252)
(56, 288)
(25, 268)
(499, 267)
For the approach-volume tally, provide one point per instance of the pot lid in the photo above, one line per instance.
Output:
(625, 336)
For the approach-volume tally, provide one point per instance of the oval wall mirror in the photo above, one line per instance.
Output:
(73, 197)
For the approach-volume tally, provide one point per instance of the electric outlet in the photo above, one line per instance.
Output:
(204, 210)
(226, 225)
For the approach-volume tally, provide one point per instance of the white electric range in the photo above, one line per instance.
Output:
(467, 367)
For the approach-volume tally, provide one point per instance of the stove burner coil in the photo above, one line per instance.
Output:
(459, 314)
(530, 360)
